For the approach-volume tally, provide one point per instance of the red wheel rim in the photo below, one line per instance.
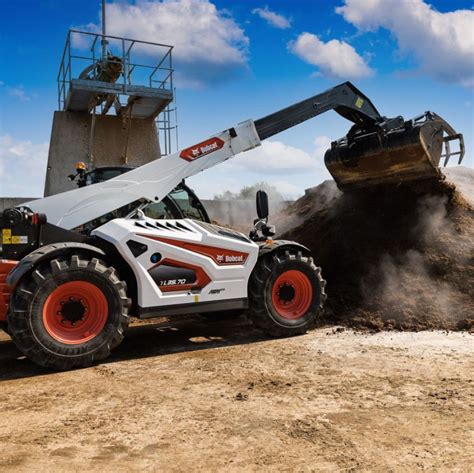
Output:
(292, 294)
(75, 312)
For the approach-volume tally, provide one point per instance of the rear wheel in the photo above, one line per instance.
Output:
(286, 294)
(69, 312)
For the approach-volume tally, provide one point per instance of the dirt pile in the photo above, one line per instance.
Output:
(400, 258)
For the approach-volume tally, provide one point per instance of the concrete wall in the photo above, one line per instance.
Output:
(8, 202)
(70, 143)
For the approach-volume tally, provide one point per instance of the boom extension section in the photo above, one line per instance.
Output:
(345, 99)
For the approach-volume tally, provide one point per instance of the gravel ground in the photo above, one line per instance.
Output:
(217, 396)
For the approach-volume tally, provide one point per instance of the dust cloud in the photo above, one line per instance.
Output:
(398, 257)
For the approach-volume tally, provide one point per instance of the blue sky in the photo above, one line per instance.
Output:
(250, 59)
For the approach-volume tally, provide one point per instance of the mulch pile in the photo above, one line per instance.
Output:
(394, 258)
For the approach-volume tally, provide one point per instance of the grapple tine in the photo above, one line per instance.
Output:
(447, 149)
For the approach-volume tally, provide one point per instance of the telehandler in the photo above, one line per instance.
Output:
(78, 264)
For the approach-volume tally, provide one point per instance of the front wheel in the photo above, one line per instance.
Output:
(69, 312)
(286, 293)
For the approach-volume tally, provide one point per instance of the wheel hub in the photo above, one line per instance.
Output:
(75, 312)
(292, 294)
(286, 293)
(72, 310)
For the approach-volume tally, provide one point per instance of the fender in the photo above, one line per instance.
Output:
(282, 245)
(45, 253)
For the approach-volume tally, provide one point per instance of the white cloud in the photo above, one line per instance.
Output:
(442, 43)
(290, 169)
(334, 58)
(274, 19)
(275, 157)
(209, 46)
(19, 93)
(22, 167)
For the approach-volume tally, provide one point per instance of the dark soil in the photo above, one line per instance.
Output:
(394, 258)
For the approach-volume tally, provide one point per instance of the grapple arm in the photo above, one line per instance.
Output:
(451, 135)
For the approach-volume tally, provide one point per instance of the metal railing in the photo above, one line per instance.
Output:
(142, 63)
(167, 126)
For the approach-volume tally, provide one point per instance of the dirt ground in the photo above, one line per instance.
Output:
(215, 396)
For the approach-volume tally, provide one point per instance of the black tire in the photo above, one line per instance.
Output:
(263, 312)
(32, 312)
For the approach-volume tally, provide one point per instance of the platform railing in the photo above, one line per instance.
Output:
(143, 63)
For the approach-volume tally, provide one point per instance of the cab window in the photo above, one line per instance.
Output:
(161, 210)
(188, 204)
(100, 175)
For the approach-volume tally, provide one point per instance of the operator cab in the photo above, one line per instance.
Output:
(181, 202)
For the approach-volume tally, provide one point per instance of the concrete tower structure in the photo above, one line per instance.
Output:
(110, 92)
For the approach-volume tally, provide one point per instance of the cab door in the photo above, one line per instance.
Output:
(189, 204)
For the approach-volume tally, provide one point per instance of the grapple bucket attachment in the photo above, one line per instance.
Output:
(409, 153)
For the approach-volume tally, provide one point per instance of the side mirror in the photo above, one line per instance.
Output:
(262, 204)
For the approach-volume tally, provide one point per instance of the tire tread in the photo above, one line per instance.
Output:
(29, 287)
(258, 310)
